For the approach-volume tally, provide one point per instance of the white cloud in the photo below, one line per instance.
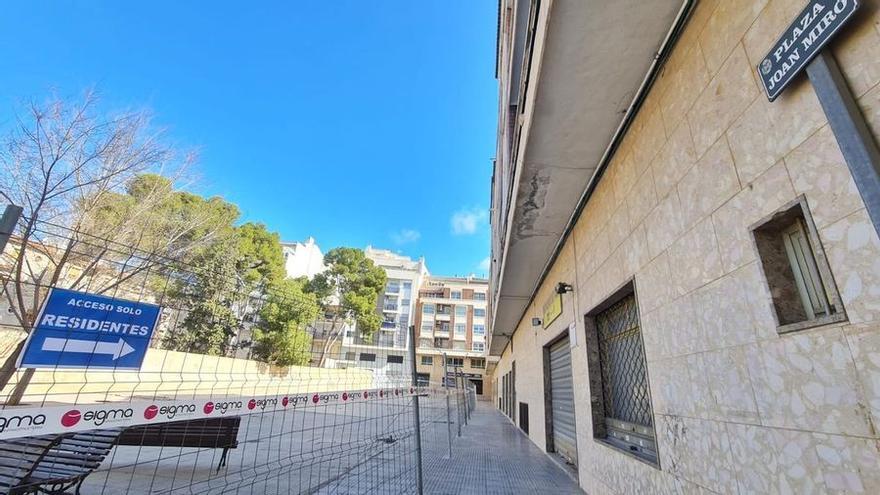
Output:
(485, 264)
(405, 236)
(467, 221)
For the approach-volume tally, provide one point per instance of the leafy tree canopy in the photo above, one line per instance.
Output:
(280, 337)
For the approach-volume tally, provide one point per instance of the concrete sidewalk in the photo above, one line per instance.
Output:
(492, 456)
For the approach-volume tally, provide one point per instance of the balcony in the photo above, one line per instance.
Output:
(389, 307)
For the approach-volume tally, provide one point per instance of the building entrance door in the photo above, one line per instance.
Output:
(562, 401)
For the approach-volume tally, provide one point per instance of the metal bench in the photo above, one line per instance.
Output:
(215, 433)
(52, 464)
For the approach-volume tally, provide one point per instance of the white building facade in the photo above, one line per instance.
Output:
(303, 259)
(386, 351)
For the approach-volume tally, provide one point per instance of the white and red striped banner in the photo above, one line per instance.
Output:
(30, 421)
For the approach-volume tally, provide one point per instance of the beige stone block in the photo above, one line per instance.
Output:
(674, 330)
(727, 374)
(601, 203)
(684, 77)
(726, 27)
(848, 465)
(818, 170)
(864, 343)
(626, 176)
(635, 252)
(724, 313)
(807, 381)
(700, 394)
(642, 200)
(870, 105)
(768, 131)
(763, 196)
(697, 23)
(650, 135)
(768, 27)
(619, 226)
(709, 184)
(853, 251)
(770, 460)
(670, 387)
(726, 97)
(694, 259)
(674, 160)
(653, 286)
(857, 50)
(664, 225)
(697, 450)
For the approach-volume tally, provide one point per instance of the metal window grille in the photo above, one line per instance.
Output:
(626, 398)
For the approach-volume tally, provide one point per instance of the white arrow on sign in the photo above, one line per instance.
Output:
(115, 349)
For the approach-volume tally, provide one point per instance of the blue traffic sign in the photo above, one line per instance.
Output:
(81, 330)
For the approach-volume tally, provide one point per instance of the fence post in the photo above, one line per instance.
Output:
(448, 404)
(7, 223)
(464, 396)
(458, 400)
(415, 384)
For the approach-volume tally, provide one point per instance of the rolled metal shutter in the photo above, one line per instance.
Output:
(562, 401)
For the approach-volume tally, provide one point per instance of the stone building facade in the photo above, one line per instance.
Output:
(663, 219)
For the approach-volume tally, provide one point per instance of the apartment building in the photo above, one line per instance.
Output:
(450, 320)
(302, 259)
(386, 350)
(685, 286)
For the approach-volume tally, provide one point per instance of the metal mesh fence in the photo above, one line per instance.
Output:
(622, 358)
(203, 412)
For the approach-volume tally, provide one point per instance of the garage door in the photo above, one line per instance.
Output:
(562, 401)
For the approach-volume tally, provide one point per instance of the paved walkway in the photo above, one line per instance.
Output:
(492, 457)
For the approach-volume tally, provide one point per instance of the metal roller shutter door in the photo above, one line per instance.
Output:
(562, 401)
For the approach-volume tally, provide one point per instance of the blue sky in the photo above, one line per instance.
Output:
(356, 122)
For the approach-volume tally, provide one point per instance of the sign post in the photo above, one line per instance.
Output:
(801, 48)
(81, 330)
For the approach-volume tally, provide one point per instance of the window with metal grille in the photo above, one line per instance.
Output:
(796, 270)
(427, 360)
(624, 417)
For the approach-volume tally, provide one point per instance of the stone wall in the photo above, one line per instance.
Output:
(737, 407)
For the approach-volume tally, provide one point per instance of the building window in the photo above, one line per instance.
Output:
(366, 356)
(395, 359)
(349, 356)
(456, 294)
(428, 309)
(479, 312)
(404, 302)
(478, 363)
(459, 345)
(427, 360)
(461, 311)
(623, 415)
(478, 346)
(479, 330)
(426, 343)
(427, 327)
(407, 285)
(455, 362)
(796, 270)
(480, 296)
(460, 330)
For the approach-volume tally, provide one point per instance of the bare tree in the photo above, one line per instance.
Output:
(68, 166)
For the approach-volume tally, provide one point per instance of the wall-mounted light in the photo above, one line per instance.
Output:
(536, 322)
(562, 288)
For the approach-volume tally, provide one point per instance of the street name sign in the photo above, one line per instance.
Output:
(81, 330)
(800, 43)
